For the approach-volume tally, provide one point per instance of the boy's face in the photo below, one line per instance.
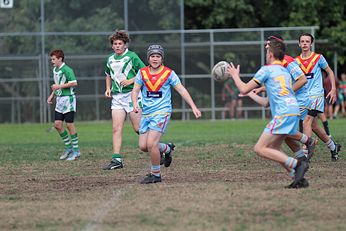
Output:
(155, 60)
(305, 43)
(119, 46)
(56, 61)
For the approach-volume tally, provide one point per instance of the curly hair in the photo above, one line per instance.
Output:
(58, 54)
(120, 35)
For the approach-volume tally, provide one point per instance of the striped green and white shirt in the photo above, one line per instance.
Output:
(122, 67)
(64, 74)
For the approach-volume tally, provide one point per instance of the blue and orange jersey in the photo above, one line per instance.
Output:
(156, 89)
(312, 67)
(293, 68)
(278, 84)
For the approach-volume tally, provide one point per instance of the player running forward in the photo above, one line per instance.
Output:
(312, 63)
(284, 110)
(299, 81)
(155, 82)
(65, 108)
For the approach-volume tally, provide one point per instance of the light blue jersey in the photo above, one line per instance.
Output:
(311, 66)
(278, 85)
(156, 90)
(301, 94)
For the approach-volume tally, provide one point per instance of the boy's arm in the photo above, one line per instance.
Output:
(244, 88)
(50, 98)
(258, 99)
(187, 97)
(134, 97)
(108, 92)
(301, 81)
(332, 94)
(55, 87)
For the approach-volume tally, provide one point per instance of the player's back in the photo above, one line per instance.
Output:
(278, 84)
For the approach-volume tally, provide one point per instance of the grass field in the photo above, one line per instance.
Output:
(216, 182)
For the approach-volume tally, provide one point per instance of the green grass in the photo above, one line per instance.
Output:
(216, 182)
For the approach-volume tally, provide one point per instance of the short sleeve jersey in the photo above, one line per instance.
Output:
(278, 83)
(311, 66)
(293, 68)
(64, 74)
(121, 67)
(156, 89)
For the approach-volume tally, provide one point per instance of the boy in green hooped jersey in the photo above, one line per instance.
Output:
(65, 108)
(121, 69)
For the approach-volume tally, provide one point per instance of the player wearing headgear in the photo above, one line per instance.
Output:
(155, 82)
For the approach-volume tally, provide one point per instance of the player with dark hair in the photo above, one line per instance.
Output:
(284, 110)
(155, 82)
(312, 64)
(65, 108)
(299, 81)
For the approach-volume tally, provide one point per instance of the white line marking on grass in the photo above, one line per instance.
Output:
(103, 210)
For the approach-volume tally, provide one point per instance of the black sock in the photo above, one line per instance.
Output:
(301, 126)
(326, 128)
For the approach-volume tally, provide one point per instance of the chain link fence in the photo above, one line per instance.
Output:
(25, 69)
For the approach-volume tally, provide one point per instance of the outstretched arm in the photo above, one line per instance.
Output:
(186, 96)
(244, 88)
(258, 99)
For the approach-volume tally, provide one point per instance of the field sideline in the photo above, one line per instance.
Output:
(216, 182)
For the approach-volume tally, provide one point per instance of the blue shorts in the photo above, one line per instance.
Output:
(303, 112)
(283, 125)
(316, 103)
(157, 122)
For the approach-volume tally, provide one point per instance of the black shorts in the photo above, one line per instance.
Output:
(313, 112)
(67, 117)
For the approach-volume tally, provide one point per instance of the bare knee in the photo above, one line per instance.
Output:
(58, 125)
(117, 129)
(143, 147)
(258, 150)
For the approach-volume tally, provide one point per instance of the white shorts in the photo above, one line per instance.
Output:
(65, 104)
(123, 101)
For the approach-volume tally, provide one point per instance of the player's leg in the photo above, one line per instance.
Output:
(58, 124)
(239, 106)
(118, 119)
(323, 118)
(332, 146)
(69, 119)
(152, 139)
(135, 119)
(266, 147)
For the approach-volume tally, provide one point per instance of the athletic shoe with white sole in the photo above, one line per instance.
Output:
(66, 153)
(114, 164)
(74, 156)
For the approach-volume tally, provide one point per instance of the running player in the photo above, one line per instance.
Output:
(284, 110)
(155, 82)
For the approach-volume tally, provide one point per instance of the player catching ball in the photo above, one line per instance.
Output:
(284, 110)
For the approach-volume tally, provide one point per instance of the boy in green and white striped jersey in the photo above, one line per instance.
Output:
(65, 108)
